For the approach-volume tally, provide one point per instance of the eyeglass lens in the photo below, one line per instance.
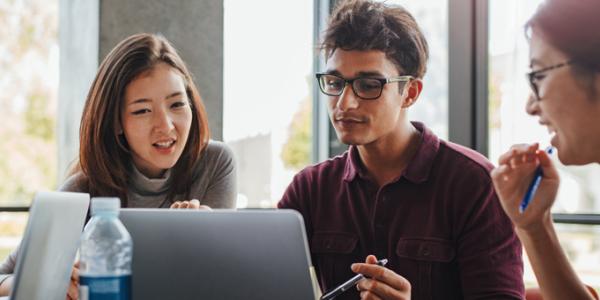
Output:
(367, 88)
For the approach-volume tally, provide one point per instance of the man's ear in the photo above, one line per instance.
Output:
(413, 91)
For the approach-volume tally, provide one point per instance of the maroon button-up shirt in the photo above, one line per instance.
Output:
(439, 223)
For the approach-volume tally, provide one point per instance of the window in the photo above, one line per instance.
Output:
(509, 124)
(432, 107)
(267, 109)
(29, 84)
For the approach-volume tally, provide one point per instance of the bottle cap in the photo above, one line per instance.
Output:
(105, 204)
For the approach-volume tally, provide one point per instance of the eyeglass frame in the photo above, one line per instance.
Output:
(383, 81)
(531, 76)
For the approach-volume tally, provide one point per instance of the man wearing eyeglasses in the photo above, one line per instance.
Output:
(399, 192)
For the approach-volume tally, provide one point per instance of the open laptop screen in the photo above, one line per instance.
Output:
(47, 251)
(183, 254)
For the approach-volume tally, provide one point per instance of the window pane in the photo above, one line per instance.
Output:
(432, 107)
(12, 227)
(509, 124)
(581, 244)
(268, 94)
(29, 84)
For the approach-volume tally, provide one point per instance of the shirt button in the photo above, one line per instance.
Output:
(426, 252)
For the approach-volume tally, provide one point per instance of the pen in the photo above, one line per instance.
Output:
(348, 284)
(537, 178)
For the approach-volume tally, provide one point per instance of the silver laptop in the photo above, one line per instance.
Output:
(48, 248)
(252, 255)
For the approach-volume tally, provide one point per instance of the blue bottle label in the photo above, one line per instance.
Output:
(105, 287)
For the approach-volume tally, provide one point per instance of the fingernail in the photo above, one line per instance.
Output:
(354, 267)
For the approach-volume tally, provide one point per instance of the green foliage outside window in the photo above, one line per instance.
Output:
(296, 151)
(28, 81)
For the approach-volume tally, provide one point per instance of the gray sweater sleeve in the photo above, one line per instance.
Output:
(8, 265)
(73, 184)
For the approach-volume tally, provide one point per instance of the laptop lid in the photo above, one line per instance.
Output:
(186, 254)
(48, 248)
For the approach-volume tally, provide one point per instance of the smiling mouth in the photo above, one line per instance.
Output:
(550, 129)
(164, 144)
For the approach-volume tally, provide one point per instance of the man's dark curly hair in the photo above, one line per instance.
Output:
(365, 25)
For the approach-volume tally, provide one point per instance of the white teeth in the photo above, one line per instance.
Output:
(165, 144)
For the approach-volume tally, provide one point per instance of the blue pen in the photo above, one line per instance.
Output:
(533, 186)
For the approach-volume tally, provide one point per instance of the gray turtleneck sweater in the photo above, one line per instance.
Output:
(214, 185)
(214, 182)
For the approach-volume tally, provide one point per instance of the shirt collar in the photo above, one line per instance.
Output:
(418, 168)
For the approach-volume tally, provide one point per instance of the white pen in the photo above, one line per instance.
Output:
(348, 284)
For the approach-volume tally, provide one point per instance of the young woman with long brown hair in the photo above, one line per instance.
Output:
(144, 137)
(144, 133)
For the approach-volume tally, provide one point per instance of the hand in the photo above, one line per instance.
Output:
(6, 286)
(380, 282)
(72, 291)
(512, 178)
(192, 204)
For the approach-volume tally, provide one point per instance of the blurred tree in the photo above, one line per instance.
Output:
(296, 151)
(29, 83)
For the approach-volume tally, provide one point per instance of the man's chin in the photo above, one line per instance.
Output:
(351, 140)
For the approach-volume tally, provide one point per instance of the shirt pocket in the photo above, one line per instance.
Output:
(431, 260)
(333, 253)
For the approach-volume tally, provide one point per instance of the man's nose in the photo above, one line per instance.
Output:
(348, 100)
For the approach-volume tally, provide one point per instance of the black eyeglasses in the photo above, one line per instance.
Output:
(364, 87)
(535, 76)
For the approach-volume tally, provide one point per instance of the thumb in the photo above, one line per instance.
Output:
(547, 166)
(371, 259)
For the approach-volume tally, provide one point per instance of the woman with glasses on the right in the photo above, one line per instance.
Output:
(565, 79)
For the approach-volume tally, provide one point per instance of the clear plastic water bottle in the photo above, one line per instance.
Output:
(105, 254)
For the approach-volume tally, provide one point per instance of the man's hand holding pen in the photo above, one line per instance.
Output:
(380, 282)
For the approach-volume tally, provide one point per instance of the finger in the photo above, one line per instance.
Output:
(194, 203)
(499, 172)
(72, 292)
(371, 259)
(184, 204)
(547, 166)
(517, 150)
(75, 275)
(525, 148)
(383, 275)
(505, 158)
(204, 207)
(175, 204)
(379, 289)
(367, 295)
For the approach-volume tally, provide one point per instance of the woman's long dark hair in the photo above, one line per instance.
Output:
(104, 158)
